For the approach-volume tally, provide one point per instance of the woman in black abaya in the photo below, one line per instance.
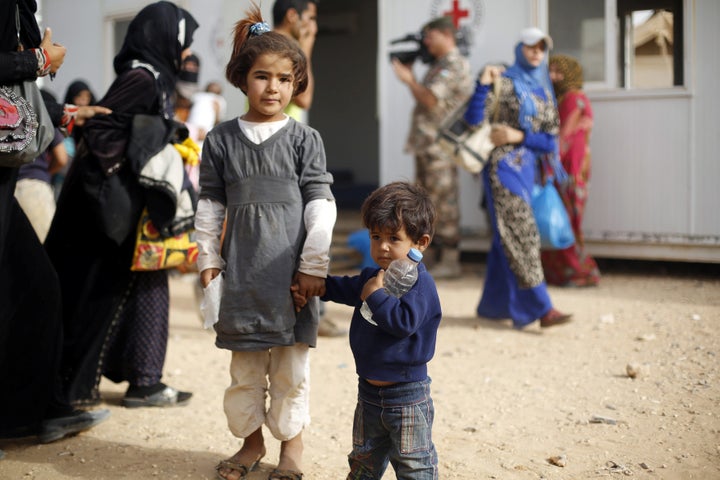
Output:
(116, 321)
(31, 333)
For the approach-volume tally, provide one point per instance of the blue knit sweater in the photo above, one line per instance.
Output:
(399, 347)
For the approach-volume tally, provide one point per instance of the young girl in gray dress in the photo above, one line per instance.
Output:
(266, 174)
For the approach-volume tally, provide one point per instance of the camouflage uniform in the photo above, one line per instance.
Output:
(449, 80)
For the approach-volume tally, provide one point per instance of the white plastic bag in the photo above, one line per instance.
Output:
(210, 305)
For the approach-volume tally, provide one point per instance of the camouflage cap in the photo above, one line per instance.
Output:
(441, 23)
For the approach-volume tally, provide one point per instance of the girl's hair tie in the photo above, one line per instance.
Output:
(259, 28)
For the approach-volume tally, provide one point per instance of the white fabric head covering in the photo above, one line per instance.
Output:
(532, 35)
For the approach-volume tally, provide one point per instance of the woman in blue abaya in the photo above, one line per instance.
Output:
(524, 136)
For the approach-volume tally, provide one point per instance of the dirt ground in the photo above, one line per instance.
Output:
(551, 404)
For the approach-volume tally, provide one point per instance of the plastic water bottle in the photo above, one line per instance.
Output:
(399, 278)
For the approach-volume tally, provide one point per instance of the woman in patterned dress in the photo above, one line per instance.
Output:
(525, 134)
(572, 266)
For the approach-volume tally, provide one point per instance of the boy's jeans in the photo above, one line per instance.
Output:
(393, 424)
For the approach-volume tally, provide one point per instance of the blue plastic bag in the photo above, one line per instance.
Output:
(551, 217)
(360, 241)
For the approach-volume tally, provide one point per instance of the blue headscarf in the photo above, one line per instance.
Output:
(528, 79)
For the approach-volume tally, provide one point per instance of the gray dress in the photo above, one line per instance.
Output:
(265, 188)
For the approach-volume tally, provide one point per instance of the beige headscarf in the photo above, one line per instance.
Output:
(571, 71)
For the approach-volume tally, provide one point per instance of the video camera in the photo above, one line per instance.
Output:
(408, 57)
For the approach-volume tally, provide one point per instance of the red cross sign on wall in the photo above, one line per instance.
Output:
(457, 13)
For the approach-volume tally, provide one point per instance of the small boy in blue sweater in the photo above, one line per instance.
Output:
(394, 413)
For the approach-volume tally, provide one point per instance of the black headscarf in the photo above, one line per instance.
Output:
(157, 36)
(29, 31)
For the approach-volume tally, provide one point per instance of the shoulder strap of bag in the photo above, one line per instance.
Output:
(17, 26)
(496, 100)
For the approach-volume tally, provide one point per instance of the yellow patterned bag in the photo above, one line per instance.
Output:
(154, 252)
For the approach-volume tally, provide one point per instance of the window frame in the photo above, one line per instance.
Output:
(678, 9)
(615, 59)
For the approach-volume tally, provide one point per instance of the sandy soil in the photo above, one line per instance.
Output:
(506, 401)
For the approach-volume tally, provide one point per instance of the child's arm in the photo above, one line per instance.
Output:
(208, 229)
(346, 290)
(401, 317)
(319, 217)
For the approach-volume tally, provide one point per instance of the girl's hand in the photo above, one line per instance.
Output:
(207, 275)
(305, 286)
(309, 285)
(298, 300)
(375, 283)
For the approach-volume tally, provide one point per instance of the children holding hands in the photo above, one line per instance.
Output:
(266, 174)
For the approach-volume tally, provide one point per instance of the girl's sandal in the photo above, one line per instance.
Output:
(238, 467)
(278, 474)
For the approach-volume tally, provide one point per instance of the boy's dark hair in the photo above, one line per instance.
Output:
(397, 205)
(247, 48)
(280, 8)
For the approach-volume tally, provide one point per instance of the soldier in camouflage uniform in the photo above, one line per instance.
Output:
(445, 86)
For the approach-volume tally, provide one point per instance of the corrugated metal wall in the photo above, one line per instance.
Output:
(654, 192)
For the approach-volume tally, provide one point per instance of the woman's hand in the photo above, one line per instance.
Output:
(504, 135)
(55, 51)
(89, 111)
(491, 73)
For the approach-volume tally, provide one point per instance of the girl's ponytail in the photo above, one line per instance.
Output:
(252, 37)
(243, 27)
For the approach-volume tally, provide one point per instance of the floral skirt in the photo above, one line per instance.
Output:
(571, 266)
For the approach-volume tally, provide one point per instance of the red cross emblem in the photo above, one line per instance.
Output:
(456, 13)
